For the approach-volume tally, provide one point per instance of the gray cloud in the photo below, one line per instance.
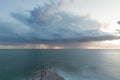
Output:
(47, 24)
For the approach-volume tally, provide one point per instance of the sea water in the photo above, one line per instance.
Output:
(70, 64)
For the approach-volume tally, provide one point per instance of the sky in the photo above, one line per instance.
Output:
(60, 24)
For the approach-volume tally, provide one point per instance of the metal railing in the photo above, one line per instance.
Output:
(40, 74)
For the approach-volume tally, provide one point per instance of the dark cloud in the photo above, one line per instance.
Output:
(118, 22)
(47, 24)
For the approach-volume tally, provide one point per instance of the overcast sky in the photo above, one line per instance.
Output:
(59, 24)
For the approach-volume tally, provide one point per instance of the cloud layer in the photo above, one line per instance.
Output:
(49, 25)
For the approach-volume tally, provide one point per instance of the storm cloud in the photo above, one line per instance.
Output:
(48, 24)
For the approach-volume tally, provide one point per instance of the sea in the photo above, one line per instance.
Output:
(71, 64)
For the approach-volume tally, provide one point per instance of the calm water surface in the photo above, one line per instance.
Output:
(70, 64)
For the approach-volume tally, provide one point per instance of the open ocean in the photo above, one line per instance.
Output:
(69, 64)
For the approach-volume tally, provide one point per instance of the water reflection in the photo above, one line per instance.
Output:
(111, 64)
